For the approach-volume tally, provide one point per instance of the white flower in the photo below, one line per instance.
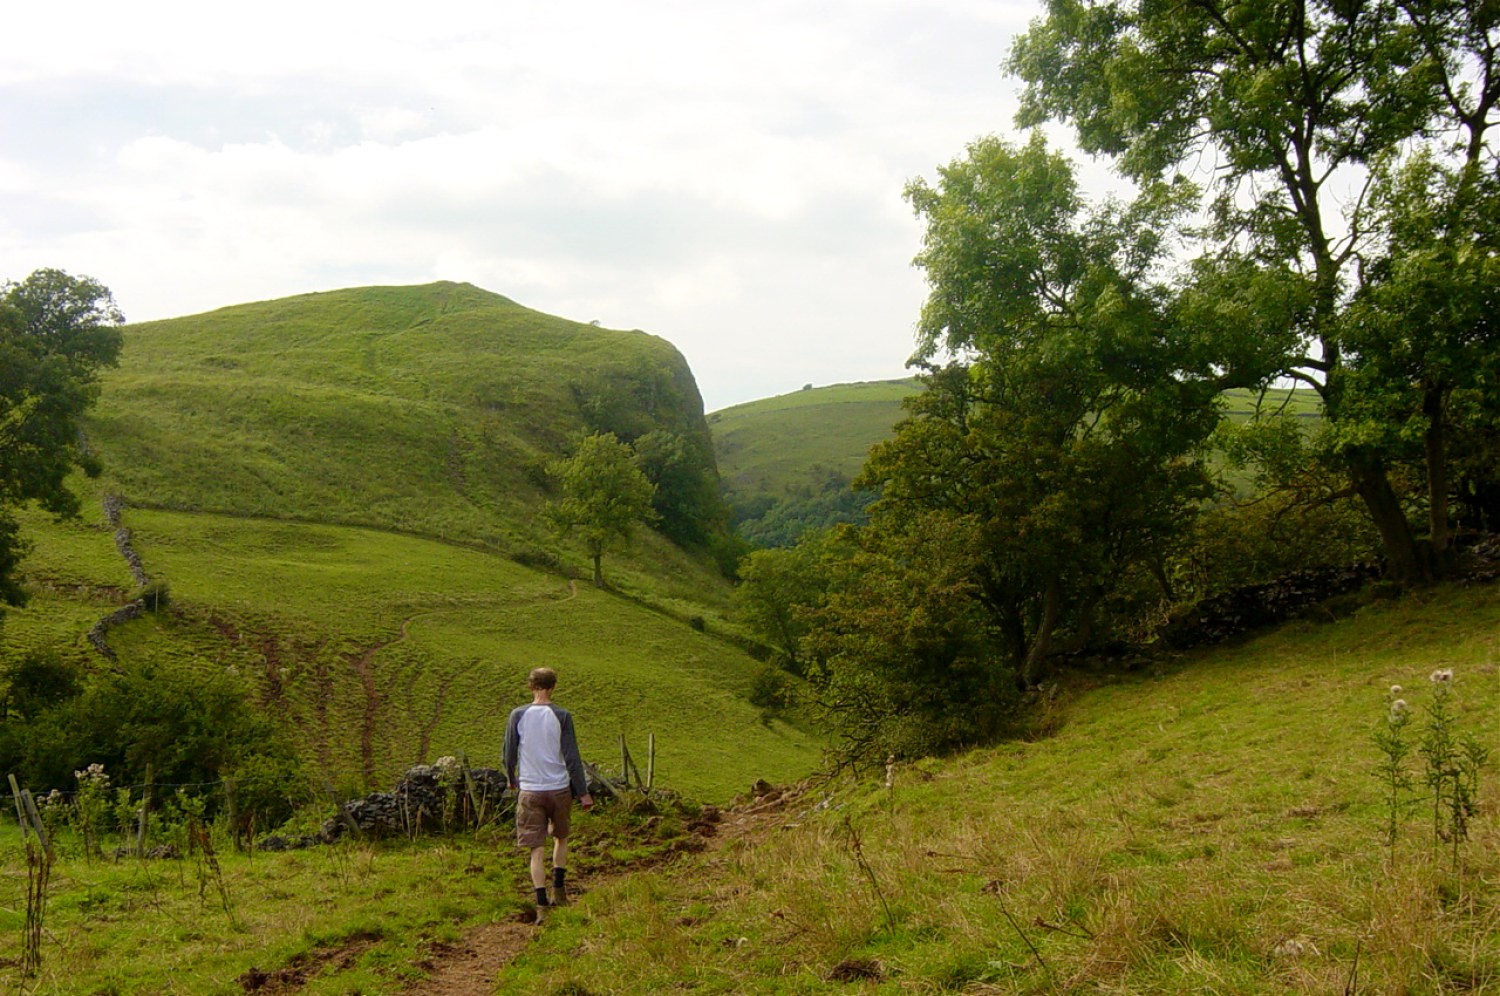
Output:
(1395, 690)
(1398, 710)
(1441, 676)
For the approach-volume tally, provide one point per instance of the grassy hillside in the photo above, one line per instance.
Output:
(1213, 825)
(786, 462)
(342, 492)
(773, 444)
(430, 409)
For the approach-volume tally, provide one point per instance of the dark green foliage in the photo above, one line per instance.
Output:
(155, 596)
(1385, 295)
(186, 728)
(901, 653)
(771, 689)
(825, 500)
(655, 408)
(780, 587)
(36, 682)
(687, 487)
(56, 333)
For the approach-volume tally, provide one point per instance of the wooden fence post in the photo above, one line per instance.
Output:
(650, 760)
(36, 822)
(15, 791)
(234, 815)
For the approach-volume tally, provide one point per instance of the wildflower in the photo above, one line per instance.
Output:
(1395, 690)
(1441, 676)
(1399, 710)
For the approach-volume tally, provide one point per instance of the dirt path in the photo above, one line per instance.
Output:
(470, 967)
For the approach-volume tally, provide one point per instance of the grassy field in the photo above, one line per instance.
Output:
(1212, 825)
(383, 650)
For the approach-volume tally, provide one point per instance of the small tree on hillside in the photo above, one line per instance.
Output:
(604, 495)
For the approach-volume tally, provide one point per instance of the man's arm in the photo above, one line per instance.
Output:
(577, 779)
(512, 750)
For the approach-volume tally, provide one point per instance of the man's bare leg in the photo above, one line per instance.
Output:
(538, 867)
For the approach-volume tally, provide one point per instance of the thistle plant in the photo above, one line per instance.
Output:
(93, 806)
(1453, 759)
(1392, 740)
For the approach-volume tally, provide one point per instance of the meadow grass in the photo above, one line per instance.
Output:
(1212, 824)
(1213, 827)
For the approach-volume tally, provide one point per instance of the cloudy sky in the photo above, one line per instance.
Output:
(726, 175)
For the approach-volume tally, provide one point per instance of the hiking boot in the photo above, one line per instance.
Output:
(558, 895)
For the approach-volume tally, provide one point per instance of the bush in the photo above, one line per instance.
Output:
(188, 728)
(771, 689)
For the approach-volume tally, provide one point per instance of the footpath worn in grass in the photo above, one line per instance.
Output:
(1213, 827)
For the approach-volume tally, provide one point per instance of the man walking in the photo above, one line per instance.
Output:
(542, 763)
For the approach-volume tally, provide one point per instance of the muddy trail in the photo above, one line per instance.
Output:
(471, 967)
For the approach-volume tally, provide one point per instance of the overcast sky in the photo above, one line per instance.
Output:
(726, 175)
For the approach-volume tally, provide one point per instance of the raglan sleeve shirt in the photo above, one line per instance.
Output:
(541, 750)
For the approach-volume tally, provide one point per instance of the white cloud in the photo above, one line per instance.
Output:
(727, 176)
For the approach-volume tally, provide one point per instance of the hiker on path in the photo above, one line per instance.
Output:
(542, 763)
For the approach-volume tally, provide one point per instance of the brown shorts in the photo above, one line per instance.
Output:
(540, 813)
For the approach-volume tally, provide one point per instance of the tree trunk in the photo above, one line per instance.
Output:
(1405, 562)
(1436, 447)
(1041, 643)
(598, 571)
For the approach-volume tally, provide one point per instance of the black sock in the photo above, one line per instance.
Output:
(541, 897)
(558, 874)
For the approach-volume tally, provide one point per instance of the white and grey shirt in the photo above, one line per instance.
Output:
(541, 751)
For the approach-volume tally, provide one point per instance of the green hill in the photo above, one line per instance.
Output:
(341, 491)
(786, 462)
(429, 409)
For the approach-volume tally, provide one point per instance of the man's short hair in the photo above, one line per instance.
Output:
(542, 678)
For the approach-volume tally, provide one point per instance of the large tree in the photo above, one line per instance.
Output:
(1064, 427)
(1296, 108)
(56, 333)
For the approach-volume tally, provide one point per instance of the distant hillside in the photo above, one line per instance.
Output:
(430, 409)
(786, 462)
(341, 493)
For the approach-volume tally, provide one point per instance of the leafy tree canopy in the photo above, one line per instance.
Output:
(1324, 125)
(604, 496)
(56, 333)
